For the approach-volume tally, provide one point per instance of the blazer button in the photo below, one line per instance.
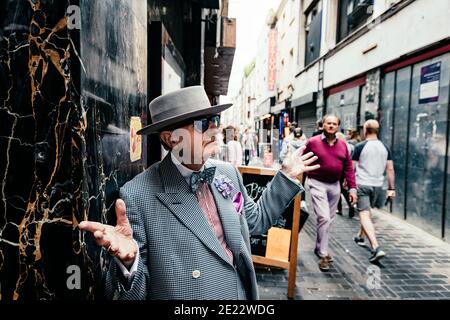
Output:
(195, 274)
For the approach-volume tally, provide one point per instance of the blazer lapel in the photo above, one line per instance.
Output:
(180, 200)
(229, 217)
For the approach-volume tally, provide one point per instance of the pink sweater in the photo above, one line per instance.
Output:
(335, 161)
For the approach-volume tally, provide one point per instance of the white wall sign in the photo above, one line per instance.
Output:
(430, 77)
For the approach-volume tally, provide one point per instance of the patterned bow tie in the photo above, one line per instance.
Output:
(207, 175)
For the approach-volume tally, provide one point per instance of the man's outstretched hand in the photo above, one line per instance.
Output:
(297, 163)
(117, 240)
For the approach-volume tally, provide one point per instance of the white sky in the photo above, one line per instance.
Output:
(250, 18)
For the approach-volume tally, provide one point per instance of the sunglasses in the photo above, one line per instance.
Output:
(202, 124)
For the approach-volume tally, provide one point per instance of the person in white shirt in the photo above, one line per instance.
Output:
(249, 145)
(235, 151)
(371, 159)
(291, 145)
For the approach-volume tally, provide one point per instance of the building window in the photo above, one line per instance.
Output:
(345, 105)
(352, 15)
(313, 29)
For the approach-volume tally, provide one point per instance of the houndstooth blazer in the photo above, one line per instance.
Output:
(180, 256)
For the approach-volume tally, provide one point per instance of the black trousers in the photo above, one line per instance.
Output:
(247, 156)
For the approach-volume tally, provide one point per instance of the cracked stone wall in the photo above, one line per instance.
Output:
(67, 92)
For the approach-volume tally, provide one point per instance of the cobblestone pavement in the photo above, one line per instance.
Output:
(417, 265)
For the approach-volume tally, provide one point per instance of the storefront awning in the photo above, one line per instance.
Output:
(263, 109)
(278, 108)
(307, 98)
(219, 61)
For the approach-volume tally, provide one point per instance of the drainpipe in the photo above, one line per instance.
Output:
(202, 47)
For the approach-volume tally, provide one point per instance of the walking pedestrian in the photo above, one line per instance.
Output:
(324, 183)
(292, 145)
(290, 136)
(249, 145)
(372, 159)
(235, 151)
(353, 138)
(319, 128)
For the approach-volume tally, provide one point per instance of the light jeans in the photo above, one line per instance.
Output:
(325, 199)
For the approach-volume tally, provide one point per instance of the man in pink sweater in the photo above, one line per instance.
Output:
(335, 162)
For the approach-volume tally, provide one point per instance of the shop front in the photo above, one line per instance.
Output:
(304, 109)
(413, 110)
(414, 121)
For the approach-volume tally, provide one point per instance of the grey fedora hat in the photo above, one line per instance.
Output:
(179, 106)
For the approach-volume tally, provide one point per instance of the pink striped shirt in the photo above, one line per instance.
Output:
(207, 204)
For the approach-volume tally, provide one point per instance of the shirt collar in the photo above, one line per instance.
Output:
(185, 172)
(324, 139)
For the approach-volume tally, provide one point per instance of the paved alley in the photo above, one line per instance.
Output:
(417, 265)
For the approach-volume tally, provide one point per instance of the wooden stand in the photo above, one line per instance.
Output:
(278, 244)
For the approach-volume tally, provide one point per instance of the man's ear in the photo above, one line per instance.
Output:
(169, 140)
(166, 138)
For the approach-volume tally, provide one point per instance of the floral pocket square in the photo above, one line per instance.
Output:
(228, 190)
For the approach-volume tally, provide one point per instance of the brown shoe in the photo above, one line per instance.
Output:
(329, 258)
(324, 264)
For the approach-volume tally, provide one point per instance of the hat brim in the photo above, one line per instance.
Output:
(159, 126)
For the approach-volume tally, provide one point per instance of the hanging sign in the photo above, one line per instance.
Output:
(272, 62)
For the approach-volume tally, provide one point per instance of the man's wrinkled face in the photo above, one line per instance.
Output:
(331, 125)
(196, 141)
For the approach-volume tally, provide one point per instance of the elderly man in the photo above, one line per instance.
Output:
(325, 188)
(371, 159)
(183, 229)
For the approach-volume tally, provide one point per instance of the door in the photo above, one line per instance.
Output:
(306, 119)
(400, 138)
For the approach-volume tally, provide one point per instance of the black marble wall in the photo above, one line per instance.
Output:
(67, 91)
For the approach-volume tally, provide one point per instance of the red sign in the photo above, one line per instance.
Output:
(272, 61)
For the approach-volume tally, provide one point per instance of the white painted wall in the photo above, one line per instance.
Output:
(422, 23)
(232, 116)
(249, 90)
(288, 28)
(306, 82)
(261, 67)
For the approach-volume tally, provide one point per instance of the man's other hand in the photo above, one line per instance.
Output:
(297, 163)
(117, 240)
